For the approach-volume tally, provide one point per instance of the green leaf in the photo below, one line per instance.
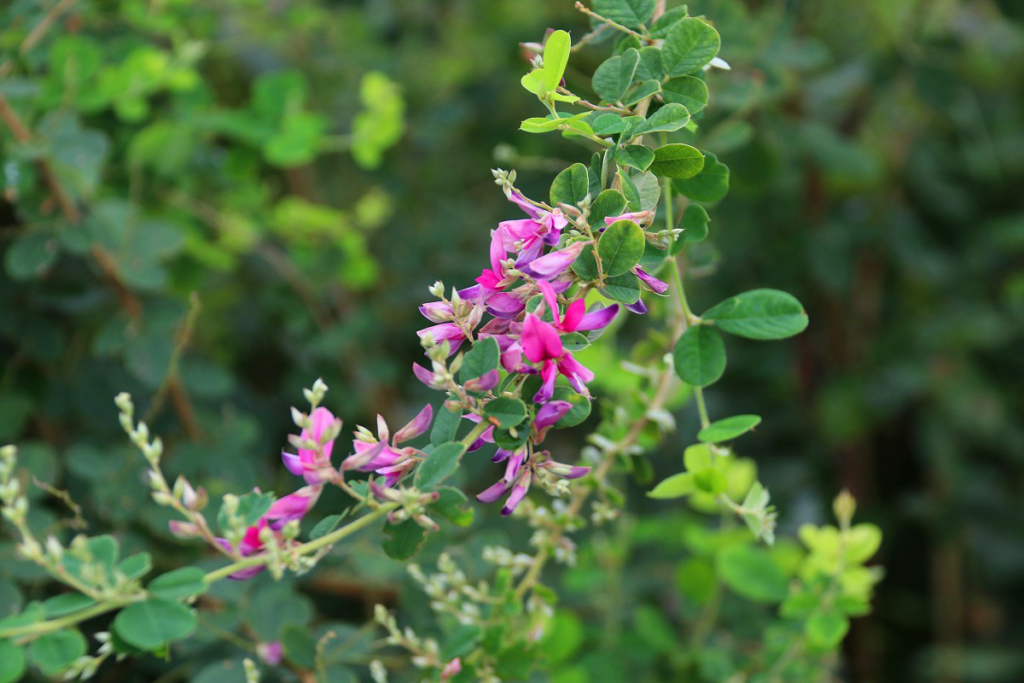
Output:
(759, 314)
(135, 566)
(635, 156)
(299, 646)
(826, 629)
(650, 68)
(642, 191)
(30, 256)
(640, 91)
(677, 161)
(667, 119)
(710, 185)
(728, 428)
(608, 203)
(12, 662)
(585, 264)
(699, 356)
(507, 411)
(324, 526)
(689, 91)
(613, 77)
(556, 57)
(575, 341)
(535, 82)
(563, 638)
(689, 46)
(461, 641)
(446, 424)
(178, 584)
(548, 124)
(155, 622)
(580, 410)
(607, 124)
(440, 464)
(862, 542)
(404, 539)
(620, 247)
(710, 480)
(623, 288)
(570, 186)
(66, 603)
(676, 486)
(479, 360)
(661, 26)
(694, 224)
(752, 573)
(629, 13)
(55, 652)
(453, 505)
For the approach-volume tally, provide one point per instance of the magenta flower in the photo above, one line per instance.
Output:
(449, 332)
(657, 286)
(519, 474)
(527, 236)
(552, 265)
(294, 506)
(576, 318)
(496, 278)
(542, 346)
(388, 459)
(271, 653)
(314, 464)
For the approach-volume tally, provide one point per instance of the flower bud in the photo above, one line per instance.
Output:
(54, 549)
(844, 507)
(123, 401)
(8, 454)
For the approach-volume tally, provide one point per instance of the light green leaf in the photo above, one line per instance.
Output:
(699, 356)
(689, 46)
(826, 629)
(728, 428)
(620, 247)
(677, 161)
(676, 486)
(12, 662)
(710, 185)
(759, 314)
(556, 57)
(548, 124)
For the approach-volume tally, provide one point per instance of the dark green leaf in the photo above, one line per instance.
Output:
(30, 256)
(570, 186)
(700, 356)
(640, 91)
(55, 652)
(178, 583)
(479, 360)
(439, 465)
(585, 264)
(453, 505)
(669, 118)
(650, 68)
(155, 622)
(66, 603)
(620, 247)
(614, 76)
(623, 288)
(135, 566)
(608, 203)
(690, 45)
(272, 608)
(689, 91)
(677, 161)
(634, 156)
(710, 185)
(759, 314)
(631, 13)
(299, 646)
(446, 424)
(324, 526)
(506, 411)
(404, 539)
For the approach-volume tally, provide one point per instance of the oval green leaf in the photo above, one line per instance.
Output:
(677, 161)
(440, 464)
(700, 356)
(690, 45)
(55, 652)
(178, 584)
(614, 76)
(689, 91)
(728, 428)
(620, 247)
(506, 411)
(710, 185)
(155, 622)
(570, 186)
(676, 486)
(759, 314)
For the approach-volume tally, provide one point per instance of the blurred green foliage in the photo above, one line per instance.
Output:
(308, 168)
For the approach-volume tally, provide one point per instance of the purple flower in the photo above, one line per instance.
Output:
(270, 653)
(527, 236)
(449, 332)
(550, 413)
(388, 459)
(576, 318)
(554, 264)
(657, 286)
(314, 465)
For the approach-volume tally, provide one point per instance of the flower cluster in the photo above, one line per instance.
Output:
(536, 305)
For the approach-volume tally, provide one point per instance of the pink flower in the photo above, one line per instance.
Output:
(496, 278)
(314, 465)
(542, 345)
(449, 332)
(527, 236)
(270, 653)
(657, 286)
(452, 668)
(389, 459)
(576, 318)
(555, 263)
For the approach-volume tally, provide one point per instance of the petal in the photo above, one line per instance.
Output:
(293, 463)
(518, 493)
(548, 373)
(573, 314)
(540, 340)
(597, 319)
(485, 383)
(531, 250)
(519, 200)
(574, 370)
(497, 252)
(550, 298)
(555, 263)
(656, 285)
(423, 375)
(503, 305)
(436, 311)
(493, 493)
(416, 426)
(550, 413)
(639, 307)
(382, 429)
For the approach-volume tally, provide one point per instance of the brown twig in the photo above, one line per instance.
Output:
(36, 34)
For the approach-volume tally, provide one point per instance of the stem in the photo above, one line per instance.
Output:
(41, 627)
